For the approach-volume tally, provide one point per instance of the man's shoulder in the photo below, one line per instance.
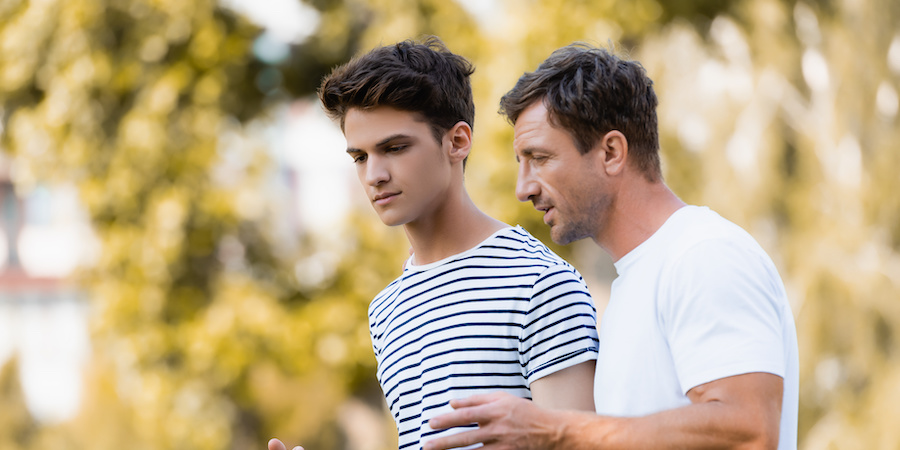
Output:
(714, 253)
(702, 229)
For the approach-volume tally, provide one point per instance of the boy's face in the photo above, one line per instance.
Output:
(404, 171)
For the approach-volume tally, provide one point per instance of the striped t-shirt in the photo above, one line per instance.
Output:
(496, 317)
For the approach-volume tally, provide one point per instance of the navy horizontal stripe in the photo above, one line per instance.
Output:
(578, 329)
(433, 296)
(513, 342)
(561, 283)
(481, 298)
(482, 338)
(530, 337)
(445, 365)
(559, 360)
(495, 387)
(450, 327)
(558, 346)
(448, 431)
(412, 278)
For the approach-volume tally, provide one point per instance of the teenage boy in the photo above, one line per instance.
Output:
(698, 347)
(481, 306)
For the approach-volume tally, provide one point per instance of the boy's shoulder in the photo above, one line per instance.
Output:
(512, 251)
(518, 239)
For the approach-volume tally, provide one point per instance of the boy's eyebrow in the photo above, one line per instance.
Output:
(390, 138)
(382, 142)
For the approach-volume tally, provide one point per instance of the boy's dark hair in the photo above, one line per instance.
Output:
(588, 92)
(424, 78)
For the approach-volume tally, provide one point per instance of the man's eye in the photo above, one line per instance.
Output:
(395, 148)
(359, 158)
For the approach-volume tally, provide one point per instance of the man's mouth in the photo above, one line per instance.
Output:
(546, 209)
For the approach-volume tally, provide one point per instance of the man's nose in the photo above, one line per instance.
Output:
(526, 186)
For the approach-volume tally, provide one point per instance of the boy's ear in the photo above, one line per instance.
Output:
(460, 139)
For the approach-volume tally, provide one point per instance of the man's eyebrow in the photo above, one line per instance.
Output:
(527, 151)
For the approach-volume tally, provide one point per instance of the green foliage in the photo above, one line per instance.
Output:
(16, 424)
(197, 311)
(774, 121)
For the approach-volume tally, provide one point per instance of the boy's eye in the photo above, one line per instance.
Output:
(395, 148)
(359, 158)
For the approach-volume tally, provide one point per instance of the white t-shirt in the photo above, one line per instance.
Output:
(698, 301)
(494, 318)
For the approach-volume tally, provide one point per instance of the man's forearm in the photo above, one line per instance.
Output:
(742, 412)
(520, 424)
(707, 425)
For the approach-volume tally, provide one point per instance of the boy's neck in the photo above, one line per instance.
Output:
(453, 227)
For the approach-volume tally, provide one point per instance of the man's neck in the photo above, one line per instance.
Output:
(639, 211)
(455, 226)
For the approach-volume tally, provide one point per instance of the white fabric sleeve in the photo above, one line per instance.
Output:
(721, 314)
(560, 327)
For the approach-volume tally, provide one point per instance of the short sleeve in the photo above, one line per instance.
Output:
(722, 313)
(560, 327)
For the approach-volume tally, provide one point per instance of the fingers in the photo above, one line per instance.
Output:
(275, 444)
(475, 409)
(460, 417)
(476, 400)
(456, 440)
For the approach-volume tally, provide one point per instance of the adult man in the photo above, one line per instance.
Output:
(480, 306)
(698, 346)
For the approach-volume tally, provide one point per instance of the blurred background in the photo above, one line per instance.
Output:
(186, 258)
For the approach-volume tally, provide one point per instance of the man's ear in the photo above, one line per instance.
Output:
(613, 150)
(460, 139)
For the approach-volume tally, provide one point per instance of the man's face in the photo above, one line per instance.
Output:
(567, 186)
(403, 170)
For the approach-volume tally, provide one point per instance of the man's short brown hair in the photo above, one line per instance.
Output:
(588, 92)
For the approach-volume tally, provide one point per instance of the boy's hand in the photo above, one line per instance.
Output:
(275, 444)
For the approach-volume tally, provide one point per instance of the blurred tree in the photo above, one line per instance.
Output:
(197, 305)
(791, 130)
(16, 424)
